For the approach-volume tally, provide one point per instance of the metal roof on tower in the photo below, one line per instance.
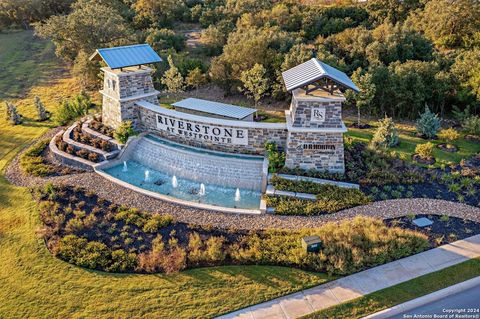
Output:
(312, 71)
(130, 55)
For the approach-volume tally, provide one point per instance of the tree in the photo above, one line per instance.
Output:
(386, 135)
(157, 13)
(448, 23)
(254, 82)
(41, 112)
(12, 114)
(363, 99)
(89, 26)
(162, 39)
(467, 69)
(86, 72)
(213, 40)
(195, 79)
(172, 78)
(24, 12)
(392, 11)
(428, 124)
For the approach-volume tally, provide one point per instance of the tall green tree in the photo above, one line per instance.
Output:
(172, 78)
(364, 98)
(448, 23)
(195, 79)
(157, 13)
(89, 26)
(392, 11)
(255, 83)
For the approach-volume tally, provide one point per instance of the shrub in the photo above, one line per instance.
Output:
(472, 125)
(33, 163)
(42, 113)
(131, 216)
(386, 135)
(333, 200)
(70, 150)
(330, 198)
(276, 159)
(71, 110)
(12, 114)
(214, 251)
(84, 253)
(155, 222)
(122, 261)
(425, 150)
(428, 124)
(449, 135)
(83, 153)
(93, 157)
(348, 247)
(124, 131)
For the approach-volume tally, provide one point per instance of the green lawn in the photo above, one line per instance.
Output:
(400, 293)
(25, 61)
(34, 284)
(408, 142)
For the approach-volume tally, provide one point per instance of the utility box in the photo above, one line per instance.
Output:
(312, 244)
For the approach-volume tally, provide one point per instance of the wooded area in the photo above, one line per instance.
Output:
(403, 55)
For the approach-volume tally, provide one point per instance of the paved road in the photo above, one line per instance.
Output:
(462, 301)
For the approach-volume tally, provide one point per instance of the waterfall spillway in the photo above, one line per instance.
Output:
(201, 191)
(125, 167)
(237, 195)
(210, 168)
(147, 176)
(174, 181)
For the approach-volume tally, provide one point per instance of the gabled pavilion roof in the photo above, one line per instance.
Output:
(316, 72)
(205, 106)
(125, 56)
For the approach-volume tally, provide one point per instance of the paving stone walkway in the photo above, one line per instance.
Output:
(362, 283)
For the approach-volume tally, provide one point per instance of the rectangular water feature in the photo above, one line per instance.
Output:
(186, 189)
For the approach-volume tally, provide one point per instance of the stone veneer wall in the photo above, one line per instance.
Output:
(257, 136)
(302, 112)
(119, 99)
(320, 159)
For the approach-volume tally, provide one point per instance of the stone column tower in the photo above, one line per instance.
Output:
(121, 89)
(314, 121)
(126, 81)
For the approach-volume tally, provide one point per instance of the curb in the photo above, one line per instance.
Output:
(421, 301)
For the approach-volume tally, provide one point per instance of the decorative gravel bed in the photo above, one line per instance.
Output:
(120, 195)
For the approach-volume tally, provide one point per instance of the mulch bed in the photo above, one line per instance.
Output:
(427, 161)
(444, 229)
(473, 138)
(448, 147)
(361, 126)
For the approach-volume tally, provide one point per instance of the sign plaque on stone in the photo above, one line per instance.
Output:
(318, 114)
(202, 131)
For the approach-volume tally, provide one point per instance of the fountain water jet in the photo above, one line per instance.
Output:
(201, 192)
(147, 176)
(237, 195)
(125, 167)
(174, 181)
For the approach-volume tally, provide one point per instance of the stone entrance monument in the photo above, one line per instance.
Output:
(312, 136)
(314, 121)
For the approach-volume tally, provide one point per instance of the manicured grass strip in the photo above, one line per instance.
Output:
(401, 293)
(408, 142)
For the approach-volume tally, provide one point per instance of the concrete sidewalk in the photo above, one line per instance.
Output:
(362, 283)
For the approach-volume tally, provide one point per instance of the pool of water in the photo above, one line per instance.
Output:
(186, 189)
